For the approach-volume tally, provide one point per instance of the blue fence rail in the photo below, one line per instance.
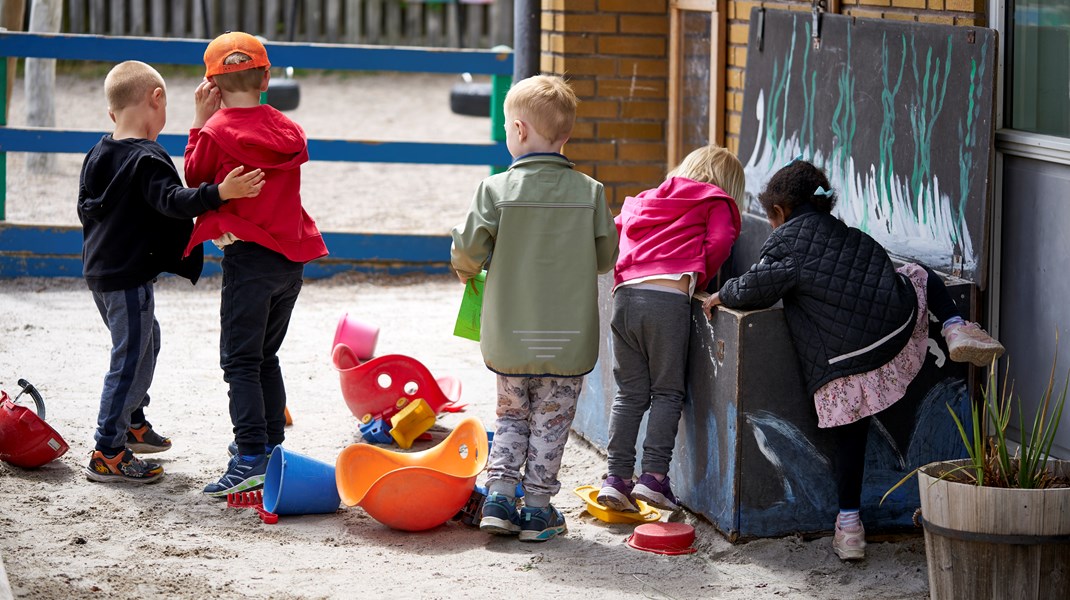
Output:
(28, 250)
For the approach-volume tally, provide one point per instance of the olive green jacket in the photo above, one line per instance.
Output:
(551, 233)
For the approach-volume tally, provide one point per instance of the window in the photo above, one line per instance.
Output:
(1040, 66)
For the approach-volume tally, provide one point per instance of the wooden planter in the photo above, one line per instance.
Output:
(984, 542)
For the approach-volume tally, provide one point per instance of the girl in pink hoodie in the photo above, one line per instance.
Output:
(673, 239)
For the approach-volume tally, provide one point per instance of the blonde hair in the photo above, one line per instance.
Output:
(239, 81)
(546, 102)
(129, 82)
(716, 165)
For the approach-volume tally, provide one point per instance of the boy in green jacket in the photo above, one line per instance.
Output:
(551, 234)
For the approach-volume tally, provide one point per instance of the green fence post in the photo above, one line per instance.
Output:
(3, 123)
(499, 86)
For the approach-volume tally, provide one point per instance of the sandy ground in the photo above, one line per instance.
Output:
(64, 537)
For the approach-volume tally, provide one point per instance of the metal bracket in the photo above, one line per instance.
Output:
(761, 28)
(816, 8)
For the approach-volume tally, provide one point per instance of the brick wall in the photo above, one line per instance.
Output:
(615, 55)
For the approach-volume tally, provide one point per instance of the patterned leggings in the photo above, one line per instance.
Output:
(534, 418)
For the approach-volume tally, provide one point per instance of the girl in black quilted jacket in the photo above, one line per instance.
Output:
(858, 324)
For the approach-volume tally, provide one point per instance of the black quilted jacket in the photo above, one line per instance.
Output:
(847, 309)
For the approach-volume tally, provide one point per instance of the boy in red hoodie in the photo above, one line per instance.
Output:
(265, 244)
(673, 239)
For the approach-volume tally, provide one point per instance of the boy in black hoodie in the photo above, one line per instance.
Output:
(136, 219)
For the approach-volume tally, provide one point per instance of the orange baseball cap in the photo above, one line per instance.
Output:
(229, 43)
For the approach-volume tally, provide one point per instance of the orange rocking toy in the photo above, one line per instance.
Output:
(414, 491)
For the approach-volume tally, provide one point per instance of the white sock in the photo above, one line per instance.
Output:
(953, 321)
(849, 519)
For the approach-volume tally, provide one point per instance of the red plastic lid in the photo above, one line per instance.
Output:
(663, 538)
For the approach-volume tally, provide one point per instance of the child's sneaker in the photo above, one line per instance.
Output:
(500, 516)
(124, 466)
(241, 476)
(655, 493)
(616, 494)
(144, 439)
(849, 543)
(967, 342)
(541, 524)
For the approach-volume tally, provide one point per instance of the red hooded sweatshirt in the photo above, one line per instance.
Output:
(683, 226)
(259, 137)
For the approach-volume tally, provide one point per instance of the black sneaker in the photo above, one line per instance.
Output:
(124, 466)
(500, 516)
(241, 476)
(145, 440)
(541, 524)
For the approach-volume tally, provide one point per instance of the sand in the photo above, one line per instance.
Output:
(64, 537)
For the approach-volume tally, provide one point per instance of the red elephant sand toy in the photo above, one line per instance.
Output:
(414, 491)
(25, 439)
(394, 389)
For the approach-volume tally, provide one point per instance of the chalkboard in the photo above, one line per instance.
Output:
(898, 114)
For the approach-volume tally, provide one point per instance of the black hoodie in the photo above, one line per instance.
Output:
(137, 215)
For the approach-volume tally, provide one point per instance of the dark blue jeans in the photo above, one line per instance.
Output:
(260, 288)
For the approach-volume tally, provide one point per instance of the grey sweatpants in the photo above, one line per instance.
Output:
(534, 417)
(135, 343)
(651, 330)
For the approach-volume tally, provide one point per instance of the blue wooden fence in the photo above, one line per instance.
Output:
(29, 250)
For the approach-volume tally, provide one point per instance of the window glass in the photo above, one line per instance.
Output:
(1040, 66)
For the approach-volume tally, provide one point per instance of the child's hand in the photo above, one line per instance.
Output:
(206, 100)
(708, 305)
(236, 185)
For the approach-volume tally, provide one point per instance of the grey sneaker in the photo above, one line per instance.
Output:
(241, 476)
(500, 516)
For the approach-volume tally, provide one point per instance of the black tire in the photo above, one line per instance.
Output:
(284, 94)
(472, 99)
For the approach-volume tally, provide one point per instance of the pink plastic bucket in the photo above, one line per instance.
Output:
(361, 337)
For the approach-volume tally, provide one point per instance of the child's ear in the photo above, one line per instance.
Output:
(156, 97)
(266, 80)
(521, 129)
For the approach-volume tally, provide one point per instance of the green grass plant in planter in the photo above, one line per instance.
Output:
(997, 524)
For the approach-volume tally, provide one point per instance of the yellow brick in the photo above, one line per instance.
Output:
(586, 168)
(630, 131)
(631, 88)
(631, 45)
(865, 13)
(734, 123)
(591, 66)
(644, 67)
(916, 4)
(875, 2)
(964, 5)
(625, 189)
(738, 33)
(734, 78)
(546, 63)
(938, 19)
(604, 109)
(737, 56)
(644, 109)
(577, 44)
(732, 143)
(743, 10)
(571, 5)
(547, 21)
(936, 4)
(591, 152)
(571, 23)
(642, 151)
(582, 86)
(618, 173)
(654, 25)
(633, 6)
(894, 15)
(583, 130)
(971, 21)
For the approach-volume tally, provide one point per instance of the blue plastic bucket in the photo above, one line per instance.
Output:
(298, 485)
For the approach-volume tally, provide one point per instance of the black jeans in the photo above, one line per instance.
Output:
(260, 288)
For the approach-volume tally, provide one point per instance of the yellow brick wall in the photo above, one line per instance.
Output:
(615, 55)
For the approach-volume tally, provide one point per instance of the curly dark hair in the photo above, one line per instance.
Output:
(795, 184)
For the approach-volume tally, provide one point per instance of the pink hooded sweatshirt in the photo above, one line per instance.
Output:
(682, 226)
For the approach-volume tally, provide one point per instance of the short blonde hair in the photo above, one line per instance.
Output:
(239, 81)
(716, 165)
(129, 82)
(546, 102)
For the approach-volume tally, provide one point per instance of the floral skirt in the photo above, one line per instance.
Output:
(848, 399)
